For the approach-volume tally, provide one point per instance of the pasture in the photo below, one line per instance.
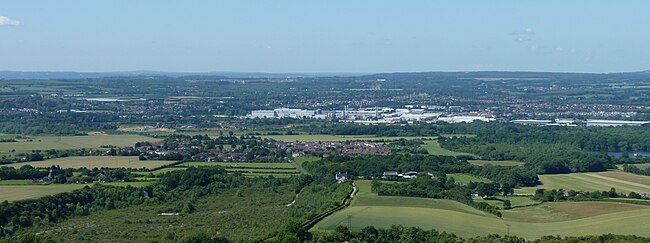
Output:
(159, 171)
(572, 218)
(433, 147)
(495, 163)
(241, 165)
(251, 169)
(599, 181)
(640, 166)
(16, 192)
(333, 138)
(70, 142)
(90, 162)
(467, 178)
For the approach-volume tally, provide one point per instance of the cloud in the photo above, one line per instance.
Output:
(526, 31)
(529, 30)
(5, 21)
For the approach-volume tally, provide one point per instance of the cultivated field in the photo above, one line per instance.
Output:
(29, 191)
(70, 142)
(570, 218)
(495, 163)
(97, 162)
(600, 181)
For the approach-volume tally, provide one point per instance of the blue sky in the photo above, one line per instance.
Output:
(324, 36)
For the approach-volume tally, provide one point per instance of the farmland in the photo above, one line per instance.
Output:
(252, 169)
(564, 218)
(70, 142)
(433, 147)
(15, 192)
(334, 138)
(495, 163)
(600, 181)
(467, 178)
(640, 166)
(97, 162)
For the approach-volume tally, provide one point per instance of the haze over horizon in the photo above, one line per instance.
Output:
(324, 37)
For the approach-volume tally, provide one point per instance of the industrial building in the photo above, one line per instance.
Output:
(614, 123)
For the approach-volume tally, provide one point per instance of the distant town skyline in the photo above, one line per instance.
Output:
(325, 36)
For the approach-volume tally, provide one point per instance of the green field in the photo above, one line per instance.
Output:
(241, 164)
(272, 171)
(159, 171)
(21, 192)
(323, 137)
(252, 169)
(599, 181)
(15, 182)
(300, 160)
(573, 218)
(70, 142)
(96, 162)
(640, 166)
(433, 147)
(467, 178)
(495, 163)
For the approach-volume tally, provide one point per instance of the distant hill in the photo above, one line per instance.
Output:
(77, 75)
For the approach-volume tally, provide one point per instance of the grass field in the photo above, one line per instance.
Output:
(97, 162)
(241, 164)
(301, 160)
(467, 178)
(269, 171)
(640, 166)
(495, 163)
(323, 137)
(573, 218)
(433, 147)
(600, 181)
(70, 142)
(159, 171)
(252, 169)
(21, 192)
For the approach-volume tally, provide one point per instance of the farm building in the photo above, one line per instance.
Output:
(341, 176)
(390, 175)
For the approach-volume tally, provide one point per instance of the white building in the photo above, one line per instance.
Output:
(614, 123)
(262, 114)
(465, 119)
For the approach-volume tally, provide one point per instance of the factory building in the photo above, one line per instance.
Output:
(615, 123)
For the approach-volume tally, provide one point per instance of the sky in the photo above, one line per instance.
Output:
(325, 36)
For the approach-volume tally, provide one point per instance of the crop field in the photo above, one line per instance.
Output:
(13, 192)
(570, 218)
(70, 142)
(467, 178)
(324, 137)
(600, 181)
(97, 162)
(495, 163)
(433, 147)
